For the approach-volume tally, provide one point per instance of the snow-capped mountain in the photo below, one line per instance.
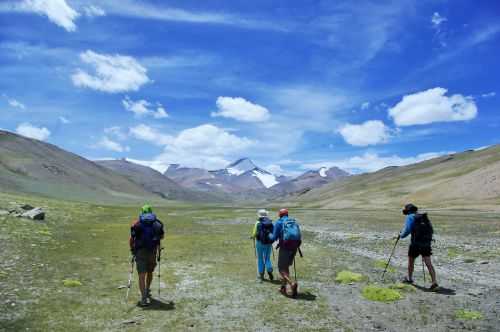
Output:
(311, 179)
(243, 176)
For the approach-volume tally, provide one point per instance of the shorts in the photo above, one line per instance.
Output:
(285, 258)
(145, 260)
(416, 250)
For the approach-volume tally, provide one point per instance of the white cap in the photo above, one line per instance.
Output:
(262, 213)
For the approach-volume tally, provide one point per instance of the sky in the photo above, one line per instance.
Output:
(293, 85)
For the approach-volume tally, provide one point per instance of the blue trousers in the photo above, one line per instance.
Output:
(264, 256)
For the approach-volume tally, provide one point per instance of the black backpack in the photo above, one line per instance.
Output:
(422, 230)
(264, 228)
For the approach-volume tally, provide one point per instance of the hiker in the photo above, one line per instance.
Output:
(145, 236)
(263, 245)
(287, 232)
(420, 228)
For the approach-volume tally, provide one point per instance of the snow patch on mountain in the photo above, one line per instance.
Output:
(267, 179)
(322, 172)
(234, 171)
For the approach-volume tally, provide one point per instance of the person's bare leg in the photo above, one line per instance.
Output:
(149, 279)
(430, 267)
(142, 284)
(285, 275)
(411, 265)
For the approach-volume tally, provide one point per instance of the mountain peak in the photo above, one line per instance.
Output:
(241, 166)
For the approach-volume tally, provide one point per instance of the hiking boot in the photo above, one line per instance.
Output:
(407, 281)
(283, 290)
(261, 276)
(295, 288)
(148, 293)
(434, 287)
(270, 274)
(143, 302)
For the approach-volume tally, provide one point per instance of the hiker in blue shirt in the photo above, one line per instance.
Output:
(287, 250)
(263, 245)
(420, 228)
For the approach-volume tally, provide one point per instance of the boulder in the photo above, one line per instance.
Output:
(26, 207)
(4, 212)
(35, 214)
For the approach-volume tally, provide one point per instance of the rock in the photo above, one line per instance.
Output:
(26, 207)
(35, 214)
(4, 212)
(484, 262)
(121, 287)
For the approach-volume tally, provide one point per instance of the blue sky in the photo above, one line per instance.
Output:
(292, 85)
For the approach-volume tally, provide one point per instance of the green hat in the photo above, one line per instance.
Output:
(147, 209)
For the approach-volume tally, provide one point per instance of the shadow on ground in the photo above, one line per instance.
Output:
(440, 290)
(160, 305)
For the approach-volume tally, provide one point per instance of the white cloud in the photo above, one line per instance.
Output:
(64, 120)
(150, 11)
(142, 108)
(489, 94)
(240, 109)
(57, 11)
(204, 146)
(116, 132)
(151, 135)
(432, 106)
(437, 20)
(371, 162)
(113, 73)
(16, 103)
(365, 105)
(368, 133)
(28, 130)
(108, 144)
(93, 11)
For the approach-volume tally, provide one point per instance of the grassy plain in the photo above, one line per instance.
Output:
(208, 275)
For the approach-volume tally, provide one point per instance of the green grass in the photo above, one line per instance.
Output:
(380, 294)
(346, 277)
(380, 264)
(468, 315)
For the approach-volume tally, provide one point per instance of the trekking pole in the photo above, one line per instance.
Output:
(130, 277)
(254, 248)
(390, 257)
(159, 268)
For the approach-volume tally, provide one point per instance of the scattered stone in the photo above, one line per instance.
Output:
(121, 287)
(26, 207)
(35, 214)
(4, 212)
(484, 262)
(130, 321)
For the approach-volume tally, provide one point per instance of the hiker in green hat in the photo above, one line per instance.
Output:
(145, 236)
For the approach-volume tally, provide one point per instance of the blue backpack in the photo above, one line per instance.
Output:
(291, 235)
(149, 232)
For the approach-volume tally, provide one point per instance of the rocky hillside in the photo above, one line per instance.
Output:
(32, 166)
(467, 179)
(310, 180)
(155, 182)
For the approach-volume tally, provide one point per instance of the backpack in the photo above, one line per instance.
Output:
(264, 228)
(148, 232)
(422, 230)
(291, 235)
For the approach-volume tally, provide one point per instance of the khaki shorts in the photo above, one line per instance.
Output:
(145, 260)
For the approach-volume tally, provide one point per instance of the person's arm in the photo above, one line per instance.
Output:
(276, 231)
(254, 231)
(162, 229)
(408, 226)
(131, 240)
